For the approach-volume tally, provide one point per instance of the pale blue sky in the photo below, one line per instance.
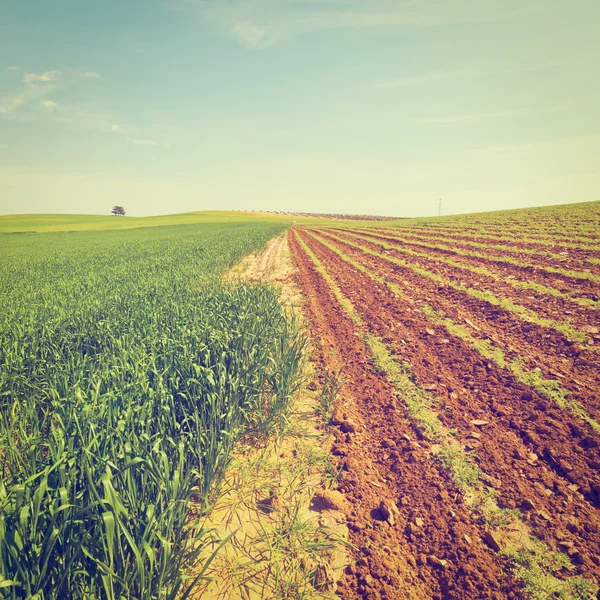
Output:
(376, 107)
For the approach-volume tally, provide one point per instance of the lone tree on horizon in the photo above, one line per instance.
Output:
(118, 211)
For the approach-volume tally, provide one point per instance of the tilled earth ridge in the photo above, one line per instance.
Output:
(544, 420)
(545, 305)
(574, 259)
(577, 366)
(563, 283)
(550, 237)
(383, 460)
(470, 388)
(565, 254)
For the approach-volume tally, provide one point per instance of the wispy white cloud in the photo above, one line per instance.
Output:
(14, 68)
(11, 104)
(254, 36)
(92, 75)
(49, 105)
(115, 128)
(40, 77)
(262, 23)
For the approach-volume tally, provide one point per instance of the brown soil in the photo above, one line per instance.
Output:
(545, 305)
(564, 283)
(568, 258)
(521, 423)
(577, 366)
(384, 460)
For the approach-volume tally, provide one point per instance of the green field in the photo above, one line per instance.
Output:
(586, 212)
(127, 373)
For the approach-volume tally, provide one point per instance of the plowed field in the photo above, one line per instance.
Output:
(468, 428)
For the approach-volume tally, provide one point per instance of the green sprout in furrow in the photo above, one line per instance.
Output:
(127, 374)
(532, 562)
(523, 313)
(482, 234)
(584, 275)
(538, 287)
(474, 244)
(548, 388)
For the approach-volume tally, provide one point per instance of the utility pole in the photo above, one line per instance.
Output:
(440, 207)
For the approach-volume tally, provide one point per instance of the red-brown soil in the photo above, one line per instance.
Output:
(521, 422)
(581, 287)
(576, 365)
(383, 460)
(568, 258)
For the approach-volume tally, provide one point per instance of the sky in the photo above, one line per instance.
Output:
(379, 107)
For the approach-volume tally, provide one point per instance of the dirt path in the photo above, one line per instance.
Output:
(284, 542)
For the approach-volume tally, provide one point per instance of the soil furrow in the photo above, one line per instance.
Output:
(549, 247)
(520, 421)
(550, 305)
(538, 256)
(576, 365)
(580, 287)
(381, 463)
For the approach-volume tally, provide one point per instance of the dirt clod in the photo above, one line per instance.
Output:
(492, 540)
(330, 500)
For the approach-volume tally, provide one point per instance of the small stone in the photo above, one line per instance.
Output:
(474, 435)
(479, 422)
(593, 330)
(573, 526)
(351, 464)
(468, 539)
(388, 511)
(434, 561)
(418, 522)
(573, 487)
(271, 503)
(544, 515)
(565, 545)
(492, 541)
(430, 331)
(388, 443)
(330, 500)
(348, 426)
(565, 467)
